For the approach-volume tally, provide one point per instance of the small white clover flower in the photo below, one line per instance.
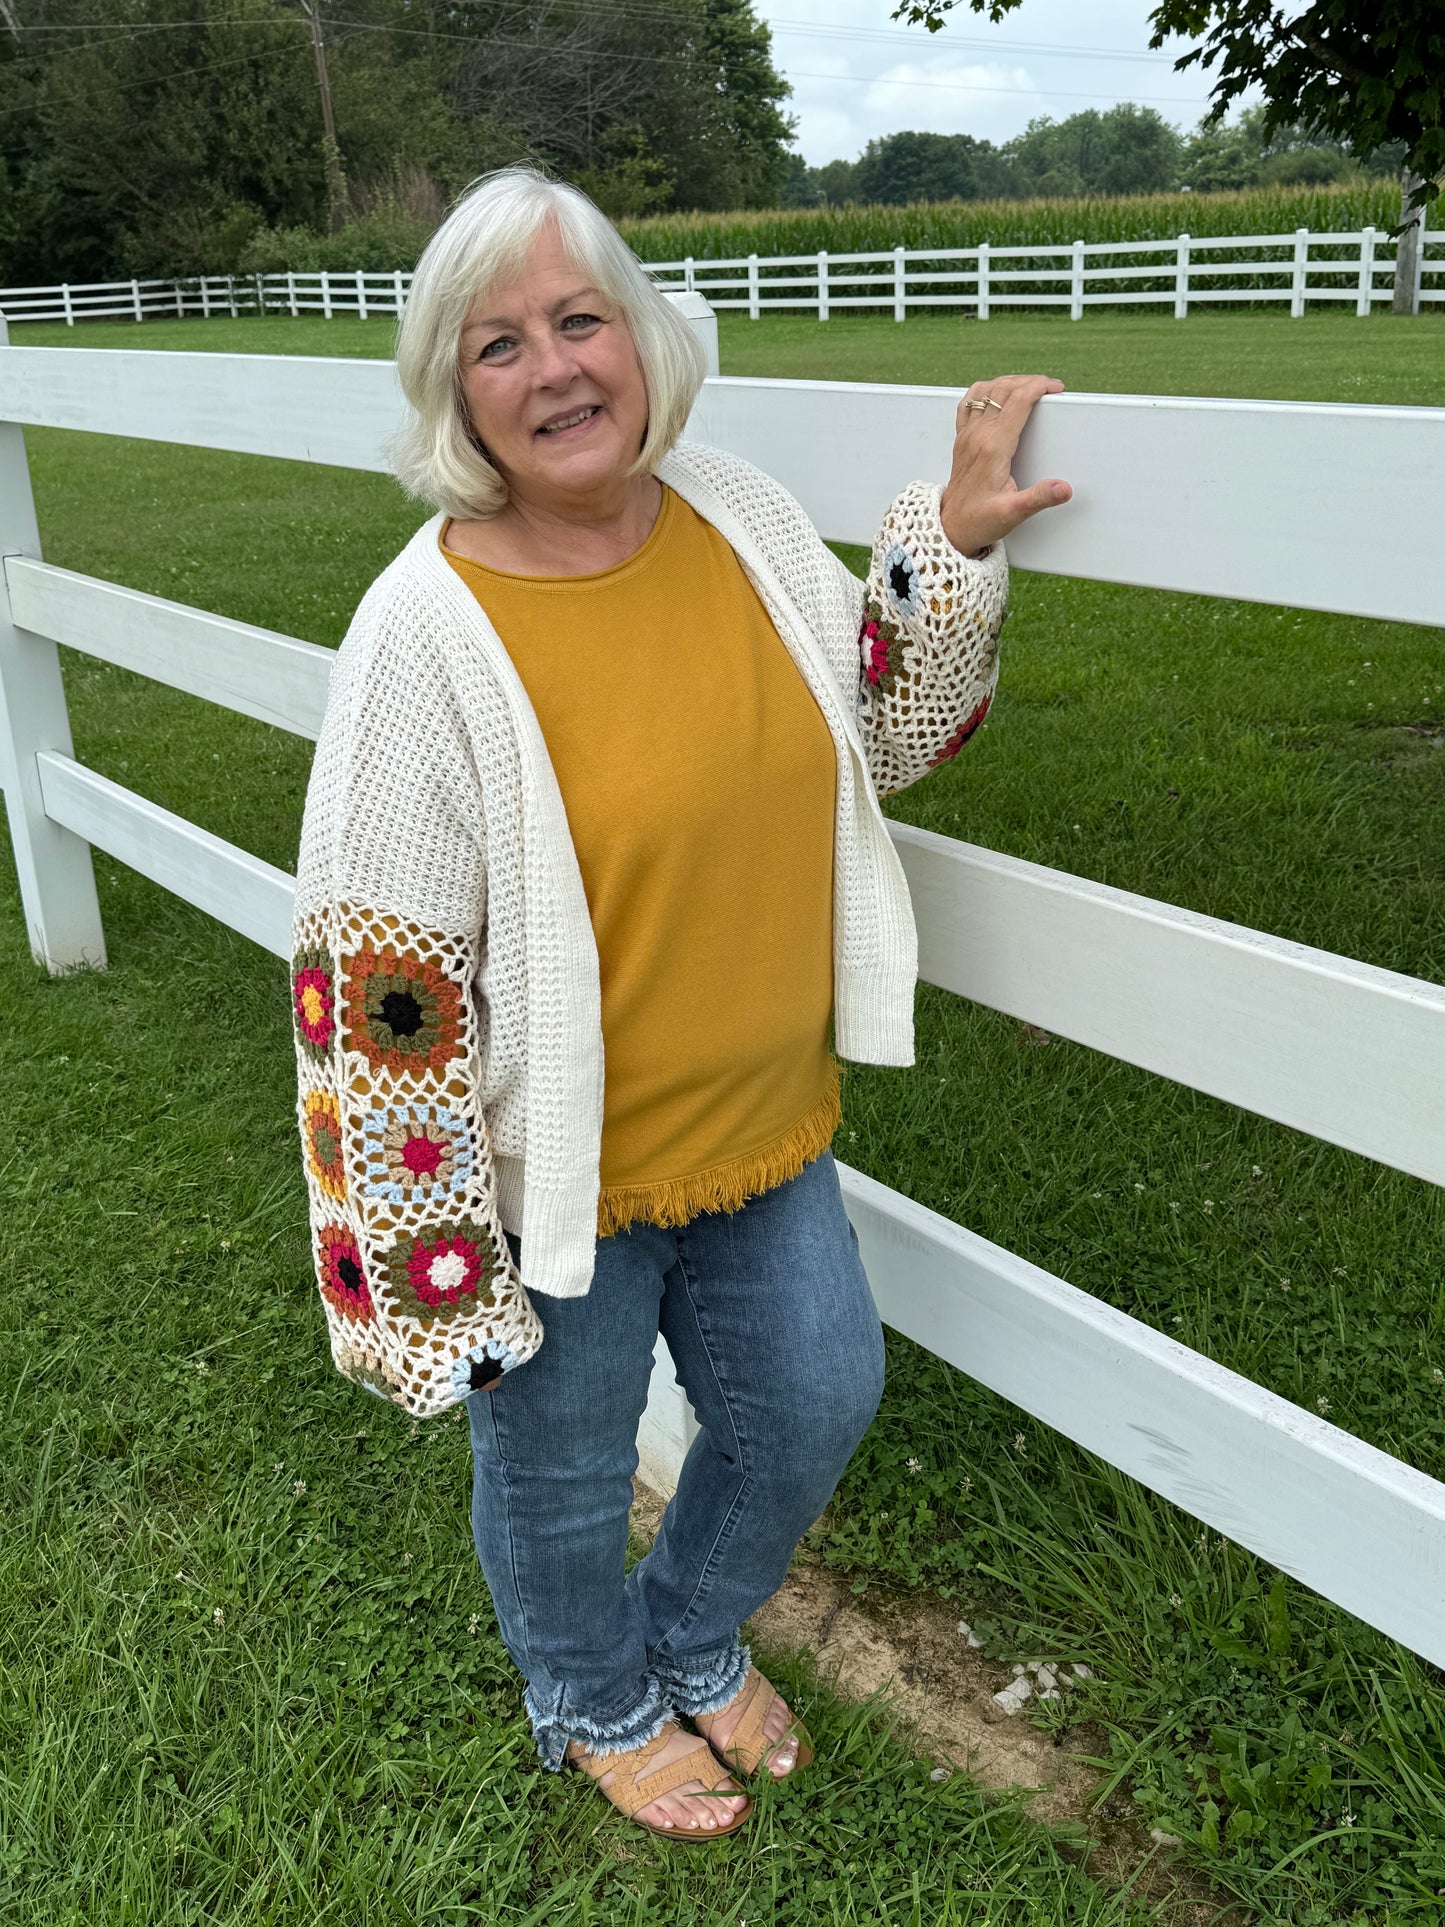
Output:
(915, 1465)
(1438, 1375)
(1322, 1405)
(473, 1622)
(1021, 1445)
(1256, 1170)
(299, 1488)
(1138, 1186)
(218, 1617)
(1209, 1204)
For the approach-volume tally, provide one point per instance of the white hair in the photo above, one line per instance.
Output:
(482, 244)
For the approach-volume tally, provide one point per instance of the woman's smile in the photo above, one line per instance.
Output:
(572, 424)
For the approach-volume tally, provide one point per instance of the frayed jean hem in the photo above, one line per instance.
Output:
(554, 1727)
(705, 1683)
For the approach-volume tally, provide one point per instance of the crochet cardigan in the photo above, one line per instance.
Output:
(435, 839)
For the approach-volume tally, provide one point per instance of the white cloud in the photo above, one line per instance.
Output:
(947, 97)
(857, 74)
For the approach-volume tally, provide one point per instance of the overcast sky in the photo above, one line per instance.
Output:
(857, 74)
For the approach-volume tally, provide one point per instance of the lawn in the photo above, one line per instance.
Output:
(1321, 357)
(253, 1673)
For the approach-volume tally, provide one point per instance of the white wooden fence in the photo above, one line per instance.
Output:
(1299, 268)
(1227, 498)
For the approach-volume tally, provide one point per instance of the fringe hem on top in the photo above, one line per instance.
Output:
(672, 1201)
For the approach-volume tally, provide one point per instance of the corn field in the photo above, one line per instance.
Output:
(964, 224)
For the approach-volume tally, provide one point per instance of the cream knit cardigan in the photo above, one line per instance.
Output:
(434, 825)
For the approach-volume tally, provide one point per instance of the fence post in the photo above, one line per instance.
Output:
(822, 284)
(57, 882)
(983, 281)
(1367, 271)
(1181, 278)
(65, 302)
(135, 300)
(753, 299)
(687, 276)
(1301, 264)
(398, 298)
(900, 287)
(231, 294)
(205, 297)
(291, 292)
(326, 293)
(360, 294)
(260, 287)
(1076, 286)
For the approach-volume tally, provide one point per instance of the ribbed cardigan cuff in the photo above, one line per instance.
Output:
(872, 1020)
(559, 1238)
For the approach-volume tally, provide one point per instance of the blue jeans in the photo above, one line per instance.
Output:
(768, 1315)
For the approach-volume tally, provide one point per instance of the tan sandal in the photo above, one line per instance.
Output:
(633, 1787)
(748, 1749)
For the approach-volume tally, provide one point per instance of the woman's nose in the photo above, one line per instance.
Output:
(555, 363)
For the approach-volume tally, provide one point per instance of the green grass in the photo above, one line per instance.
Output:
(341, 1746)
(1320, 357)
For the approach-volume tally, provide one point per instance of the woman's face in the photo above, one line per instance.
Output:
(553, 383)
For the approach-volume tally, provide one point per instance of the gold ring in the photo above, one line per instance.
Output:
(979, 405)
(989, 402)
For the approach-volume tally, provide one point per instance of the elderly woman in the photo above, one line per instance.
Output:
(598, 785)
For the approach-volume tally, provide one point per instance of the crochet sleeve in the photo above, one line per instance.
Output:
(420, 1294)
(927, 643)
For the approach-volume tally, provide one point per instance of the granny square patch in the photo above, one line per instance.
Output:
(401, 1012)
(342, 1274)
(443, 1271)
(415, 1154)
(322, 1129)
(881, 647)
(313, 1002)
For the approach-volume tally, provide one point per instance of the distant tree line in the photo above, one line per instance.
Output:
(1126, 150)
(172, 136)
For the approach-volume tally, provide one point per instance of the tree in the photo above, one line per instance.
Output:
(139, 136)
(1243, 153)
(1362, 75)
(927, 167)
(1127, 150)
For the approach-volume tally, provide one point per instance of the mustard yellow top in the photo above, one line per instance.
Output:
(698, 775)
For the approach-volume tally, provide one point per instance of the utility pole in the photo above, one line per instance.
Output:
(336, 196)
(1409, 249)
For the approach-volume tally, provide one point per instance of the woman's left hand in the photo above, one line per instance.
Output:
(981, 502)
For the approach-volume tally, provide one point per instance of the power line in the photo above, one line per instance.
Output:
(111, 36)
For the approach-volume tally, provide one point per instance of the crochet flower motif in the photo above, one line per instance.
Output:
(880, 646)
(366, 1372)
(961, 735)
(342, 1275)
(402, 1013)
(415, 1154)
(313, 1002)
(900, 579)
(443, 1271)
(323, 1143)
(482, 1366)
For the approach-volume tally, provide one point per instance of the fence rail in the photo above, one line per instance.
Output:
(1302, 269)
(1250, 1017)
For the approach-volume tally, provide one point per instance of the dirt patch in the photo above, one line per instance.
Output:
(939, 1693)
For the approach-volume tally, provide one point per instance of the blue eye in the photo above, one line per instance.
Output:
(501, 343)
(585, 320)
